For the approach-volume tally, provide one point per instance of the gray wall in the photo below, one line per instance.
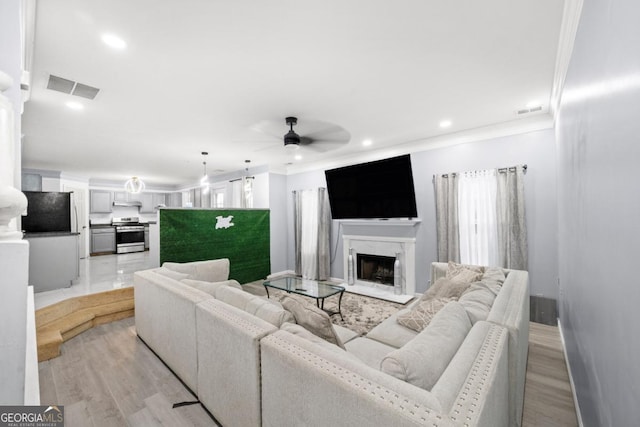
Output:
(278, 221)
(599, 203)
(536, 149)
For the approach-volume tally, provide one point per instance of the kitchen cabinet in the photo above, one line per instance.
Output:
(146, 236)
(121, 196)
(160, 199)
(100, 201)
(147, 203)
(174, 200)
(103, 240)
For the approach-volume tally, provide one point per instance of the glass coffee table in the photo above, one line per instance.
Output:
(308, 288)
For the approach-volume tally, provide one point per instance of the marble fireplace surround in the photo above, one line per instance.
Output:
(383, 246)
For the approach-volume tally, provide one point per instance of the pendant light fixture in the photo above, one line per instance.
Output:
(204, 181)
(134, 185)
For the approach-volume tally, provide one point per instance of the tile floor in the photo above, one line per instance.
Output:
(99, 274)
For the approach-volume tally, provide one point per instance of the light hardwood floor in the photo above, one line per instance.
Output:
(108, 377)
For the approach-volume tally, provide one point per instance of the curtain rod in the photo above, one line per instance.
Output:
(500, 170)
(240, 179)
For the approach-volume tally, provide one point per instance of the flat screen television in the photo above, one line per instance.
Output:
(380, 189)
(47, 211)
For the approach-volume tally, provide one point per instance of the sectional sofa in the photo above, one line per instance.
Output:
(251, 365)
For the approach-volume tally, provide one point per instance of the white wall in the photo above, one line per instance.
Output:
(599, 203)
(14, 255)
(536, 149)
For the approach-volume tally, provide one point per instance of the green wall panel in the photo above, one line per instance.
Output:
(197, 234)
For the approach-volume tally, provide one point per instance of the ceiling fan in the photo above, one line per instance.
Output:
(313, 135)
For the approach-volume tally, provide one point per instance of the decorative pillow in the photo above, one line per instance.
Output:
(445, 288)
(463, 273)
(210, 287)
(312, 319)
(421, 315)
(171, 274)
(422, 360)
(215, 270)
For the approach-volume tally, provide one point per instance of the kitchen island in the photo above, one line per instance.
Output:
(53, 260)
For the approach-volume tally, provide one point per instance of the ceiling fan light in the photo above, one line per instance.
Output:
(134, 185)
(291, 147)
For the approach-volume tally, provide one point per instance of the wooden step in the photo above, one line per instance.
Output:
(62, 321)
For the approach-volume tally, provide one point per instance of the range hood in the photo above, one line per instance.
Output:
(127, 203)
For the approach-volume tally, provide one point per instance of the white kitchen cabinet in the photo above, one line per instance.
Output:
(103, 240)
(147, 203)
(160, 199)
(100, 201)
(175, 200)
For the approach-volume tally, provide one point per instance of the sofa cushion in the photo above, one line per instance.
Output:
(392, 333)
(478, 301)
(371, 352)
(495, 275)
(210, 287)
(265, 309)
(300, 331)
(422, 360)
(313, 319)
(421, 315)
(170, 273)
(215, 270)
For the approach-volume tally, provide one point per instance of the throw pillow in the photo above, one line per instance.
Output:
(445, 288)
(312, 319)
(463, 273)
(170, 274)
(421, 315)
(422, 360)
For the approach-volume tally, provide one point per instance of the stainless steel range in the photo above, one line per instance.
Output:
(129, 234)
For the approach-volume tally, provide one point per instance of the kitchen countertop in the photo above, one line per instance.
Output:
(50, 234)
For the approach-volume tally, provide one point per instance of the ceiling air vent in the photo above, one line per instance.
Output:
(70, 87)
(60, 84)
(85, 91)
(530, 110)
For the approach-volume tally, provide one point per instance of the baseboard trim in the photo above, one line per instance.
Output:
(573, 386)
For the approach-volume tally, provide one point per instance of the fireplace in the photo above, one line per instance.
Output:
(375, 268)
(371, 269)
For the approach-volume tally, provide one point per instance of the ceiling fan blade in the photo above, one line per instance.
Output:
(325, 131)
(320, 146)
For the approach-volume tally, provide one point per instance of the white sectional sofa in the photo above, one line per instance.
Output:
(250, 366)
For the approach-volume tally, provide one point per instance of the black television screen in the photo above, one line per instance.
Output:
(380, 189)
(47, 211)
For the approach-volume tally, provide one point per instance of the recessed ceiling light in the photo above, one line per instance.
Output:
(298, 157)
(367, 142)
(75, 105)
(114, 41)
(445, 123)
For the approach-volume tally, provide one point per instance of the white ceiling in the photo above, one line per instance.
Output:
(221, 76)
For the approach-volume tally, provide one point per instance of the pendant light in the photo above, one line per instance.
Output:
(204, 181)
(134, 185)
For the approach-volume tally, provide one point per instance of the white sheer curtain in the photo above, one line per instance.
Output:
(309, 240)
(477, 221)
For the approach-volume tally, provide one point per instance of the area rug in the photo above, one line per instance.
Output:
(360, 313)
